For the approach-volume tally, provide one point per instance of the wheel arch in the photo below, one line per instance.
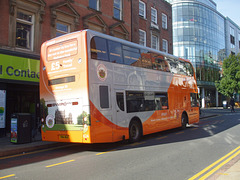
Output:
(186, 114)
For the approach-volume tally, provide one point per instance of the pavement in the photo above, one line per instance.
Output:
(230, 172)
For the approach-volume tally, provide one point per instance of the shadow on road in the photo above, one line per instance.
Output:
(205, 128)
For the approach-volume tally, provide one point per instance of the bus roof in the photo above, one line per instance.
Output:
(95, 33)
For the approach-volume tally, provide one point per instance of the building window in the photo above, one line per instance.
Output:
(62, 29)
(63, 21)
(154, 15)
(232, 38)
(239, 40)
(117, 9)
(94, 4)
(142, 9)
(155, 43)
(142, 37)
(164, 21)
(24, 30)
(164, 45)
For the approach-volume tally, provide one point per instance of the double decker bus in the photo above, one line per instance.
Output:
(95, 88)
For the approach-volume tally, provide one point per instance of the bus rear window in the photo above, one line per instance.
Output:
(62, 50)
(61, 80)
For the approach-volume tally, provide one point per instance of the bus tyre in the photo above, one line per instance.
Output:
(135, 131)
(184, 121)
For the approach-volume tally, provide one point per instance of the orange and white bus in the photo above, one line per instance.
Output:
(95, 88)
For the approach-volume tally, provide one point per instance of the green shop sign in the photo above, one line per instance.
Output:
(19, 68)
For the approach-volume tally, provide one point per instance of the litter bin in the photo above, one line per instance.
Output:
(21, 128)
(225, 105)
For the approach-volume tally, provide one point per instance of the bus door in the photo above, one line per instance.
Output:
(194, 110)
(119, 113)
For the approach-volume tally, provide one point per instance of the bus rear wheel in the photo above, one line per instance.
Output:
(184, 121)
(135, 131)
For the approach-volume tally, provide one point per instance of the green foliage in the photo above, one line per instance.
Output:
(84, 118)
(230, 82)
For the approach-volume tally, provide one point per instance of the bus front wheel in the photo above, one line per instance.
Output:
(135, 131)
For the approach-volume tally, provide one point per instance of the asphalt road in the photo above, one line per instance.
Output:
(171, 155)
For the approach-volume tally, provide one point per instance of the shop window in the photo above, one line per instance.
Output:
(117, 9)
(24, 30)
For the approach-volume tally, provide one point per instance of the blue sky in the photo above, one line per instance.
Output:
(230, 8)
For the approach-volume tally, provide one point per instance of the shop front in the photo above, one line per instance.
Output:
(19, 88)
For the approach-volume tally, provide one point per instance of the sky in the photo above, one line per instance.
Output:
(230, 8)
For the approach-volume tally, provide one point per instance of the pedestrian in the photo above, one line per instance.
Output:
(232, 103)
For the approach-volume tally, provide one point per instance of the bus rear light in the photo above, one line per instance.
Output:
(74, 103)
(49, 105)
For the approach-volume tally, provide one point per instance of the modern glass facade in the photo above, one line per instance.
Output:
(199, 35)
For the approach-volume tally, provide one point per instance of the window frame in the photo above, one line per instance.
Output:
(97, 2)
(25, 22)
(119, 9)
(157, 42)
(143, 101)
(144, 38)
(144, 9)
(153, 15)
(164, 21)
(166, 45)
(60, 31)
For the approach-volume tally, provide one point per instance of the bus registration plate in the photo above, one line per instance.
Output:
(63, 136)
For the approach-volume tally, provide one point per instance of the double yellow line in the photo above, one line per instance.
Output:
(208, 171)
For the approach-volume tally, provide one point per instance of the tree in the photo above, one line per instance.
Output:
(230, 82)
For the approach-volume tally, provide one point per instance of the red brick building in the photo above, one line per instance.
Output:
(26, 24)
(152, 24)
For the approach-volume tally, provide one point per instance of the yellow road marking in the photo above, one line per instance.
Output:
(194, 129)
(215, 163)
(180, 132)
(137, 143)
(34, 152)
(60, 163)
(11, 175)
(219, 166)
(162, 137)
(105, 152)
(224, 174)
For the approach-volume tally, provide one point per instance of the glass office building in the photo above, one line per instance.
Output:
(199, 35)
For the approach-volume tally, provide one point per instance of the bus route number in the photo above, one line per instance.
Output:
(55, 66)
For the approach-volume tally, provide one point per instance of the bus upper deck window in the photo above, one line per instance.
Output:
(115, 52)
(99, 48)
